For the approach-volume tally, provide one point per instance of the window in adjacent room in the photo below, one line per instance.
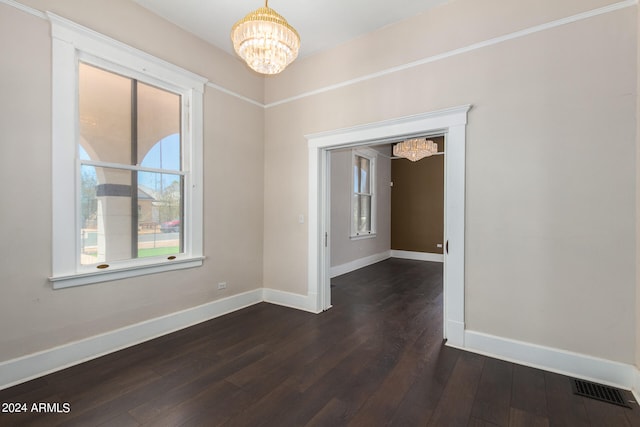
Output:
(363, 193)
(127, 168)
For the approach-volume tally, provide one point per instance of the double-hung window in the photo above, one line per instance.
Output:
(127, 160)
(363, 200)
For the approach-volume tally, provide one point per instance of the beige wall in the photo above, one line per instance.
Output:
(551, 133)
(638, 202)
(34, 317)
(343, 248)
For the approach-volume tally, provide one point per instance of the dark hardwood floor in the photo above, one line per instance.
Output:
(376, 358)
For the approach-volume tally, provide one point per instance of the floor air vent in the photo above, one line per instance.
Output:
(599, 392)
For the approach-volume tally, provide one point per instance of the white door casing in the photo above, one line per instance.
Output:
(452, 123)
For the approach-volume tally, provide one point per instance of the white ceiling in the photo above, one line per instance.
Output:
(322, 24)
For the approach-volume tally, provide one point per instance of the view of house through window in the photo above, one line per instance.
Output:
(131, 179)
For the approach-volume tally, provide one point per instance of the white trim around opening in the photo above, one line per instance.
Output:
(450, 122)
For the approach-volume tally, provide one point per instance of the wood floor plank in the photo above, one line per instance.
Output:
(330, 356)
(18, 392)
(285, 349)
(521, 418)
(336, 383)
(210, 405)
(565, 408)
(477, 422)
(332, 414)
(175, 393)
(422, 398)
(386, 400)
(528, 392)
(121, 420)
(269, 410)
(265, 333)
(493, 401)
(604, 414)
(100, 402)
(456, 403)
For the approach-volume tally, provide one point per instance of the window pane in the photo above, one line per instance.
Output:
(107, 216)
(160, 230)
(362, 175)
(105, 115)
(158, 113)
(88, 215)
(82, 154)
(365, 214)
(362, 213)
(105, 226)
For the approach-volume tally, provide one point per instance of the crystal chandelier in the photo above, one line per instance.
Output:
(265, 40)
(415, 149)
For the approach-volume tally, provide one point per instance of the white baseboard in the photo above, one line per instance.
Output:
(418, 256)
(288, 299)
(358, 263)
(563, 362)
(28, 367)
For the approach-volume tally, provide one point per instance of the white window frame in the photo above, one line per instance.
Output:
(72, 43)
(372, 156)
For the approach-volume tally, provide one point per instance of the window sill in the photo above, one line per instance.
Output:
(67, 281)
(362, 236)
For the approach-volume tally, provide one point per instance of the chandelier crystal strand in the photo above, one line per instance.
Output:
(415, 149)
(265, 40)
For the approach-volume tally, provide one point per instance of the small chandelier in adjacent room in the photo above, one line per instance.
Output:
(265, 40)
(415, 149)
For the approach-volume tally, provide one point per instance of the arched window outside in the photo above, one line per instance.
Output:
(120, 147)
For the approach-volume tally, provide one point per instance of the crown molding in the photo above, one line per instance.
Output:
(24, 8)
(475, 46)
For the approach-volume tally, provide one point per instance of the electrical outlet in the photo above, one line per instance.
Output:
(222, 285)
